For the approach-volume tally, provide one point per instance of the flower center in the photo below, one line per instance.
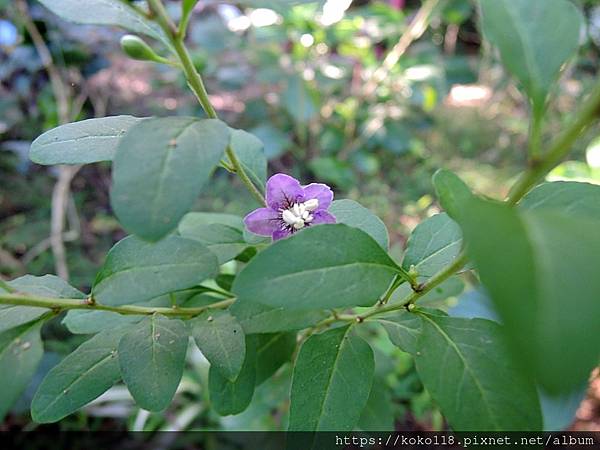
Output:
(299, 215)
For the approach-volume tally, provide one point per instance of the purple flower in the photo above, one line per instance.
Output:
(290, 207)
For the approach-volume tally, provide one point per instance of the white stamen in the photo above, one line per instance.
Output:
(289, 217)
(299, 215)
(311, 204)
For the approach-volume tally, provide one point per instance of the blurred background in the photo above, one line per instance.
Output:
(369, 96)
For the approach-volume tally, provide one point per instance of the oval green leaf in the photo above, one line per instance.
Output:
(272, 352)
(325, 266)
(257, 318)
(540, 268)
(103, 12)
(83, 142)
(468, 371)
(331, 382)
(21, 350)
(160, 167)
(151, 357)
(403, 329)
(79, 378)
(221, 339)
(451, 191)
(232, 397)
(136, 271)
(535, 39)
(432, 245)
(223, 234)
(568, 197)
(355, 215)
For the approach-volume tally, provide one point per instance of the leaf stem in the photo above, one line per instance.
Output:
(434, 281)
(196, 84)
(64, 304)
(561, 147)
(404, 275)
(535, 134)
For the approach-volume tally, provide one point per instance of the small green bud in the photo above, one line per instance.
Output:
(136, 48)
(412, 272)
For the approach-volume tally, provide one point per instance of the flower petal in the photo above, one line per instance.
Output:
(280, 233)
(262, 221)
(321, 192)
(283, 191)
(322, 217)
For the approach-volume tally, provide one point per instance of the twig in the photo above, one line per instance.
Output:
(60, 198)
(197, 86)
(65, 304)
(415, 30)
(61, 191)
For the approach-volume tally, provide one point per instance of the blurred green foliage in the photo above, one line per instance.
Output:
(295, 77)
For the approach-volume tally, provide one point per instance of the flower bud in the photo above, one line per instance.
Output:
(136, 48)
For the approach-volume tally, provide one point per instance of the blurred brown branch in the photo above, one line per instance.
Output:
(62, 188)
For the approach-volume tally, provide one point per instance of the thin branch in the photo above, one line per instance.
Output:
(65, 304)
(415, 30)
(197, 86)
(62, 188)
(60, 199)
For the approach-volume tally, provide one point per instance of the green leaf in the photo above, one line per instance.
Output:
(355, 215)
(333, 170)
(433, 244)
(535, 39)
(466, 368)
(151, 357)
(193, 221)
(103, 12)
(187, 6)
(378, 414)
(229, 397)
(272, 352)
(257, 318)
(568, 197)
(331, 382)
(298, 100)
(328, 270)
(83, 142)
(91, 322)
(160, 167)
(540, 270)
(250, 151)
(78, 379)
(21, 350)
(136, 270)
(45, 286)
(276, 142)
(223, 234)
(451, 191)
(403, 329)
(221, 339)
